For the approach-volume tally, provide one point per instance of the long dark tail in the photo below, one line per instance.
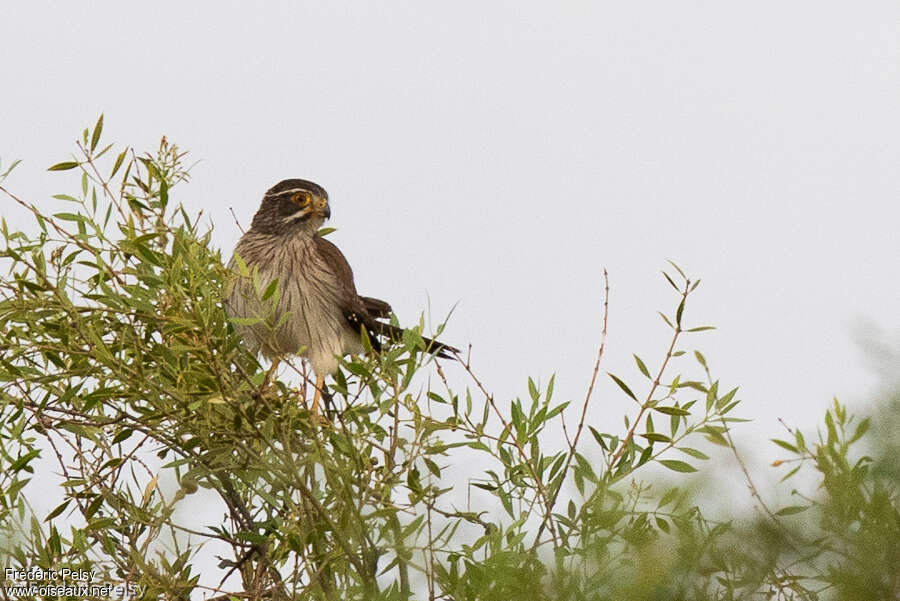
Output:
(439, 349)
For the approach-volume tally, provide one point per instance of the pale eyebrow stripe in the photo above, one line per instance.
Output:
(291, 191)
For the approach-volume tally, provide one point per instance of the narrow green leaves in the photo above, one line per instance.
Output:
(533, 391)
(64, 166)
(678, 466)
(641, 366)
(10, 168)
(785, 445)
(622, 385)
(95, 137)
(791, 510)
(861, 430)
(119, 159)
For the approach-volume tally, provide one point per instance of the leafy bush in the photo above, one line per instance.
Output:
(126, 396)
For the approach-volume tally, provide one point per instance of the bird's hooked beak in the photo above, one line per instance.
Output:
(315, 206)
(322, 207)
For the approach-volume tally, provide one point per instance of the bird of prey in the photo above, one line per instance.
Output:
(315, 307)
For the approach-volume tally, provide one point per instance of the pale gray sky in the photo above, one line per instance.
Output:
(500, 154)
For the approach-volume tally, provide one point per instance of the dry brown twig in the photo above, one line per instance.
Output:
(573, 443)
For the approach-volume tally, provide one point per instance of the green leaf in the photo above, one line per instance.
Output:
(270, 289)
(95, 138)
(798, 436)
(245, 321)
(556, 410)
(622, 385)
(646, 454)
(668, 497)
(714, 435)
(656, 437)
(16, 486)
(59, 509)
(711, 395)
(432, 467)
(693, 453)
(118, 162)
(10, 168)
(672, 410)
(677, 268)
(725, 400)
(114, 462)
(413, 481)
(598, 437)
(861, 429)
(670, 281)
(70, 217)
(698, 386)
(678, 466)
(791, 473)
(93, 507)
(665, 319)
(251, 537)
(65, 197)
(103, 151)
(243, 270)
(785, 445)
(792, 509)
(641, 366)
(64, 166)
(23, 460)
(832, 431)
(662, 524)
(122, 436)
(700, 358)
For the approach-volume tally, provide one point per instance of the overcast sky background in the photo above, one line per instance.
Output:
(501, 154)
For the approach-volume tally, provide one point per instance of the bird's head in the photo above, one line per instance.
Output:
(292, 205)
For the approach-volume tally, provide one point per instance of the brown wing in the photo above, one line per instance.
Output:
(364, 311)
(336, 261)
(355, 308)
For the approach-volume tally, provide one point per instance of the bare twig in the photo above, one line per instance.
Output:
(236, 222)
(573, 443)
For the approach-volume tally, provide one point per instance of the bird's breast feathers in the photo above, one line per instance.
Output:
(306, 309)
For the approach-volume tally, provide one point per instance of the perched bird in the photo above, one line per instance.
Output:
(315, 306)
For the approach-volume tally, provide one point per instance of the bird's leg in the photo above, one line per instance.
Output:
(320, 385)
(322, 394)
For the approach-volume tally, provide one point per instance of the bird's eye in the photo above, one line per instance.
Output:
(300, 198)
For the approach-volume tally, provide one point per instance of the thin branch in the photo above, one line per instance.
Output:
(573, 444)
(656, 382)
